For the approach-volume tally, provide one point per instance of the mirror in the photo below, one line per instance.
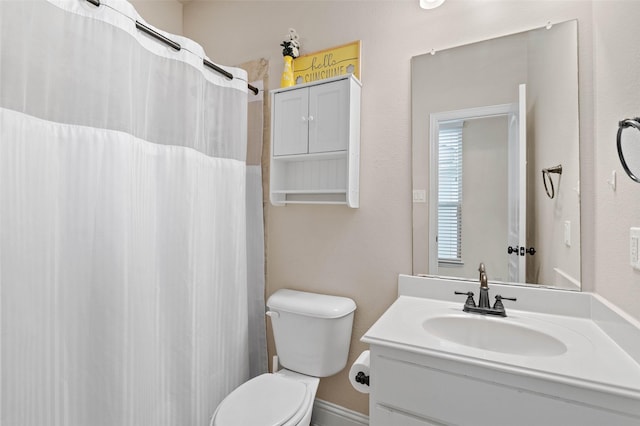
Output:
(496, 159)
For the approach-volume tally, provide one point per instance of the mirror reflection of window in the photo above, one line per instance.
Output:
(450, 192)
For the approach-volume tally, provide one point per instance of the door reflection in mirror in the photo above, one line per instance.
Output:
(475, 162)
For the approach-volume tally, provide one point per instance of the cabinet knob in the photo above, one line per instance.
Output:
(304, 118)
(311, 118)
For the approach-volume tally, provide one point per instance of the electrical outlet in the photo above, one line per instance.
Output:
(634, 249)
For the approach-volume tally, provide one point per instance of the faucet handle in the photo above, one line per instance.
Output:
(498, 297)
(498, 304)
(469, 294)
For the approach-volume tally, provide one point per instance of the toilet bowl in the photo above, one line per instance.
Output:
(284, 398)
(312, 333)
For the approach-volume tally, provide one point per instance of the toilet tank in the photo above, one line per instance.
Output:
(312, 331)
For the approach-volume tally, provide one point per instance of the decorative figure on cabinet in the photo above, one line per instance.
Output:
(290, 50)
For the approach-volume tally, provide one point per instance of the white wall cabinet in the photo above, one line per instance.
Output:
(315, 143)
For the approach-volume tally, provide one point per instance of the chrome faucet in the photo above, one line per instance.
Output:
(483, 306)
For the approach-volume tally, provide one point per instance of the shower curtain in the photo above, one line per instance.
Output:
(123, 244)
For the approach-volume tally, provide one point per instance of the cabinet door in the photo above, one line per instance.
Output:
(290, 128)
(329, 117)
(384, 416)
(430, 393)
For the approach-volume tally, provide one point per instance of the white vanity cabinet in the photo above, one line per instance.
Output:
(562, 359)
(315, 143)
(408, 389)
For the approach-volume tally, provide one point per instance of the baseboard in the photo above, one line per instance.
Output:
(328, 414)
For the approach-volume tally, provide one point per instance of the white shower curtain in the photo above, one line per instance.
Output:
(123, 245)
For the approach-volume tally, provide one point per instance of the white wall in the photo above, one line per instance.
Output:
(616, 68)
(163, 14)
(359, 253)
(552, 129)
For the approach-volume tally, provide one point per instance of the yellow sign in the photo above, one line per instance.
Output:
(328, 63)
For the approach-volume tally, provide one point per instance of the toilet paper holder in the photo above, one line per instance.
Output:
(362, 378)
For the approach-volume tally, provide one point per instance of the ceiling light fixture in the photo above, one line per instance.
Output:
(430, 4)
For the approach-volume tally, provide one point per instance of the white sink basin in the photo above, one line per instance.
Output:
(563, 348)
(493, 334)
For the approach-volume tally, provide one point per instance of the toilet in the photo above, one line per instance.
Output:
(312, 333)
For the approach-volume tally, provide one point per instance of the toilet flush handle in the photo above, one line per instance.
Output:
(273, 314)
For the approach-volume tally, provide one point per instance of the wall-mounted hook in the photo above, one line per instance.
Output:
(546, 175)
(631, 168)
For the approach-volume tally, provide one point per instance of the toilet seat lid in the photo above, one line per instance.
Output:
(266, 400)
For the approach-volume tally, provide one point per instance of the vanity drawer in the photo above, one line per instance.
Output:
(450, 398)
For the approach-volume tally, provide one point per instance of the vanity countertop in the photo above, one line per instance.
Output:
(592, 360)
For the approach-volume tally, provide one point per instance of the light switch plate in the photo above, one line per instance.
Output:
(567, 233)
(419, 196)
(634, 247)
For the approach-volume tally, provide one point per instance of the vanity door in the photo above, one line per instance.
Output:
(388, 416)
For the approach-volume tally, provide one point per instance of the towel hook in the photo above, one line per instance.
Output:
(546, 175)
(629, 122)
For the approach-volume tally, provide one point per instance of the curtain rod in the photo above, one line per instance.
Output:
(150, 31)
